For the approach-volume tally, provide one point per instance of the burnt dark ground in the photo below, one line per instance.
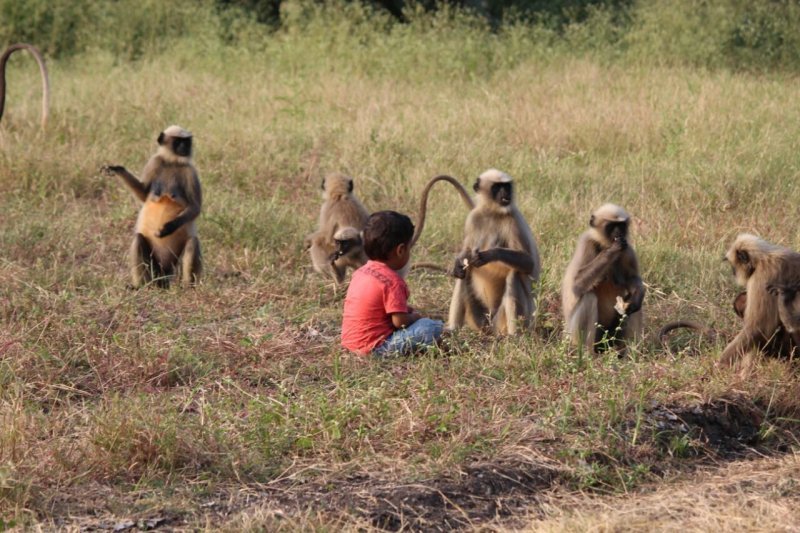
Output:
(486, 493)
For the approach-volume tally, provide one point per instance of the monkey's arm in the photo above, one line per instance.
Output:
(308, 240)
(787, 280)
(636, 290)
(459, 267)
(187, 215)
(744, 341)
(594, 268)
(194, 201)
(463, 261)
(139, 189)
(520, 261)
(786, 283)
(635, 295)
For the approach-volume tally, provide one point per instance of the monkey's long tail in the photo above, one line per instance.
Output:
(42, 68)
(663, 333)
(423, 203)
(429, 266)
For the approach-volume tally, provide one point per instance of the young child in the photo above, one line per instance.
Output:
(377, 319)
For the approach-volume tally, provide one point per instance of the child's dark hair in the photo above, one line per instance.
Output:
(384, 231)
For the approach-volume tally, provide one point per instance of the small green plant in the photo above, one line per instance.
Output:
(679, 445)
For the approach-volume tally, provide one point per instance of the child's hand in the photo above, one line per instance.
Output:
(403, 320)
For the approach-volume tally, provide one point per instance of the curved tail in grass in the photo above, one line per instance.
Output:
(663, 333)
(42, 68)
(429, 266)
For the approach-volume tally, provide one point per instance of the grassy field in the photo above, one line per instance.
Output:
(231, 406)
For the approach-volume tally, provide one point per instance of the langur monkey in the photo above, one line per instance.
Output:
(165, 239)
(337, 243)
(42, 69)
(602, 292)
(498, 263)
(771, 275)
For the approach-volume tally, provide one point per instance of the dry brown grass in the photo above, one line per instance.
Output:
(754, 495)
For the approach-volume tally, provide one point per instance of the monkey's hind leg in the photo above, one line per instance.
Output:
(140, 260)
(191, 263)
(339, 272)
(457, 306)
(516, 308)
(466, 309)
(321, 260)
(581, 325)
(634, 326)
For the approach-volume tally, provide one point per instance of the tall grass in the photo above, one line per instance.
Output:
(241, 382)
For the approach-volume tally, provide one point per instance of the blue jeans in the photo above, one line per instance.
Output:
(421, 334)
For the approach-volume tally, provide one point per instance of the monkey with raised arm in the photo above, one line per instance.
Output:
(165, 240)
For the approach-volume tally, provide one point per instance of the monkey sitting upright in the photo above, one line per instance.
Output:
(498, 263)
(165, 239)
(336, 245)
(602, 282)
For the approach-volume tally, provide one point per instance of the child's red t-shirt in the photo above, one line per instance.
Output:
(375, 292)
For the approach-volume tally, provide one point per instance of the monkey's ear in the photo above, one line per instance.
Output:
(742, 256)
(322, 185)
(161, 138)
(349, 185)
(476, 185)
(591, 221)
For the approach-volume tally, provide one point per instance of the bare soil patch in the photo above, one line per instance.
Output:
(725, 427)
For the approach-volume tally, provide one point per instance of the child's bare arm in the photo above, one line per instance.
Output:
(403, 320)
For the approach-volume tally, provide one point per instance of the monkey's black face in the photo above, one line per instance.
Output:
(345, 245)
(742, 263)
(182, 146)
(502, 193)
(617, 230)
